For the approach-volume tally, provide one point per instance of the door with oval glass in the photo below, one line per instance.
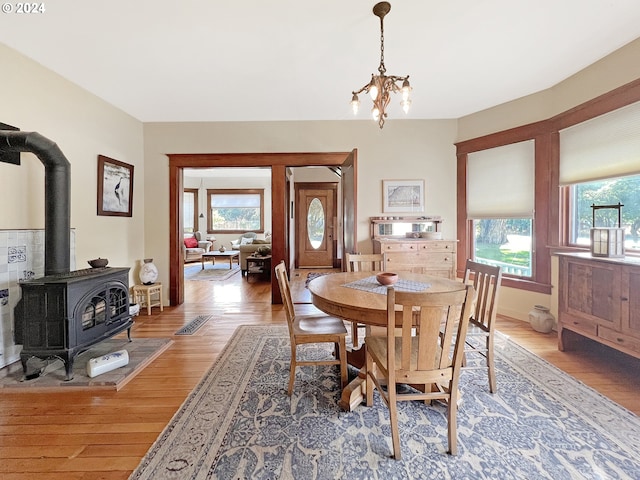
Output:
(316, 217)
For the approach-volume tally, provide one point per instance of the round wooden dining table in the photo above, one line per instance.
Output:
(354, 297)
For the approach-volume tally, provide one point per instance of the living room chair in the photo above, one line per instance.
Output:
(417, 356)
(486, 281)
(304, 329)
(363, 262)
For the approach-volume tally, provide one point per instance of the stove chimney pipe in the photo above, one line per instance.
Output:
(57, 190)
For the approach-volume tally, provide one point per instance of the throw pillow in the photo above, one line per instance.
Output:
(246, 241)
(191, 242)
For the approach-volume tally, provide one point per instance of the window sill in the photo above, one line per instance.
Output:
(525, 284)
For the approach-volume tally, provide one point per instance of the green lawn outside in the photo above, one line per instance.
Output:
(494, 252)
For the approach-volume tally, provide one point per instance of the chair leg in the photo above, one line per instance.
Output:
(354, 335)
(292, 369)
(452, 411)
(393, 418)
(491, 365)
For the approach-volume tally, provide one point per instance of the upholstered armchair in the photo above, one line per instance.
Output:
(195, 244)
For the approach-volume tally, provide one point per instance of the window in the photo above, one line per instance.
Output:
(600, 165)
(235, 210)
(605, 192)
(502, 230)
(190, 210)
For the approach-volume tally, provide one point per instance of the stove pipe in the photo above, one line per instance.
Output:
(57, 191)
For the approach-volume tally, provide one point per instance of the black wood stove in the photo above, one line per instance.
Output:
(64, 312)
(63, 315)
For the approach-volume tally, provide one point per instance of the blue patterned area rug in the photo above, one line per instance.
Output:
(239, 423)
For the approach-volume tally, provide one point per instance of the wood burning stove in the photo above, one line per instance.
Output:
(63, 315)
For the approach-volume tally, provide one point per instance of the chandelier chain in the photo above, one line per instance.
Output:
(382, 68)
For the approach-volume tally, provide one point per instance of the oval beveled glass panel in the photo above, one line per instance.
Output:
(315, 223)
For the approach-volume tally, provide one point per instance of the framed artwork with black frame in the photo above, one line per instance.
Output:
(115, 187)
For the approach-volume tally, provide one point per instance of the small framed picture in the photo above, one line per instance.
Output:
(405, 196)
(115, 187)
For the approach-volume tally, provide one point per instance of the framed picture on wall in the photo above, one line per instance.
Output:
(403, 196)
(115, 187)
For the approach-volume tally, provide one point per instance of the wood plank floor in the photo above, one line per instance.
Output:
(103, 435)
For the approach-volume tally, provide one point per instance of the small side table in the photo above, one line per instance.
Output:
(148, 296)
(259, 266)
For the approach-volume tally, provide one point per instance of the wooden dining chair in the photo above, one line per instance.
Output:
(314, 328)
(417, 356)
(363, 262)
(486, 281)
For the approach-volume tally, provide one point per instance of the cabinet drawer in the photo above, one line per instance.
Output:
(623, 340)
(579, 324)
(438, 246)
(400, 247)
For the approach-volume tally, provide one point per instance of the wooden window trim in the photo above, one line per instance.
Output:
(550, 229)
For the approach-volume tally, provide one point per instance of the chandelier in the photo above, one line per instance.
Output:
(382, 85)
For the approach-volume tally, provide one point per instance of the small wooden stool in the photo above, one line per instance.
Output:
(149, 296)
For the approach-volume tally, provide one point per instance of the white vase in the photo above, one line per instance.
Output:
(541, 319)
(148, 272)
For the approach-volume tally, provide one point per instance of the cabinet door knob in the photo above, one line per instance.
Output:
(624, 299)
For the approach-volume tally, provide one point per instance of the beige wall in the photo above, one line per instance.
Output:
(403, 150)
(35, 99)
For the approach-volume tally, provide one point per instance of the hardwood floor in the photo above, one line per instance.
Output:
(103, 435)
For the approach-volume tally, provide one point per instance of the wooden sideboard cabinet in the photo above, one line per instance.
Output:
(433, 257)
(599, 298)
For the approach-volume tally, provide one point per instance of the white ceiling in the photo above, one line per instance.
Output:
(256, 60)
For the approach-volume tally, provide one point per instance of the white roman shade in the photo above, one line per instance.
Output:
(603, 147)
(500, 182)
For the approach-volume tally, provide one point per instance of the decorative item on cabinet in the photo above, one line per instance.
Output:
(148, 272)
(607, 241)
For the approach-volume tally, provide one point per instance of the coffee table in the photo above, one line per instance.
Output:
(230, 254)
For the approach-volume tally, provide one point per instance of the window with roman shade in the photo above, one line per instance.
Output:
(508, 169)
(606, 146)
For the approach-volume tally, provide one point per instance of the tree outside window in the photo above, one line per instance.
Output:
(506, 243)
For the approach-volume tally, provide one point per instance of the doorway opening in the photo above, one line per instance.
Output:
(280, 164)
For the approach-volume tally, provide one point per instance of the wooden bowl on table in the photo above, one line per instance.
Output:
(387, 278)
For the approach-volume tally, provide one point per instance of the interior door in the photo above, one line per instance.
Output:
(316, 219)
(349, 189)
